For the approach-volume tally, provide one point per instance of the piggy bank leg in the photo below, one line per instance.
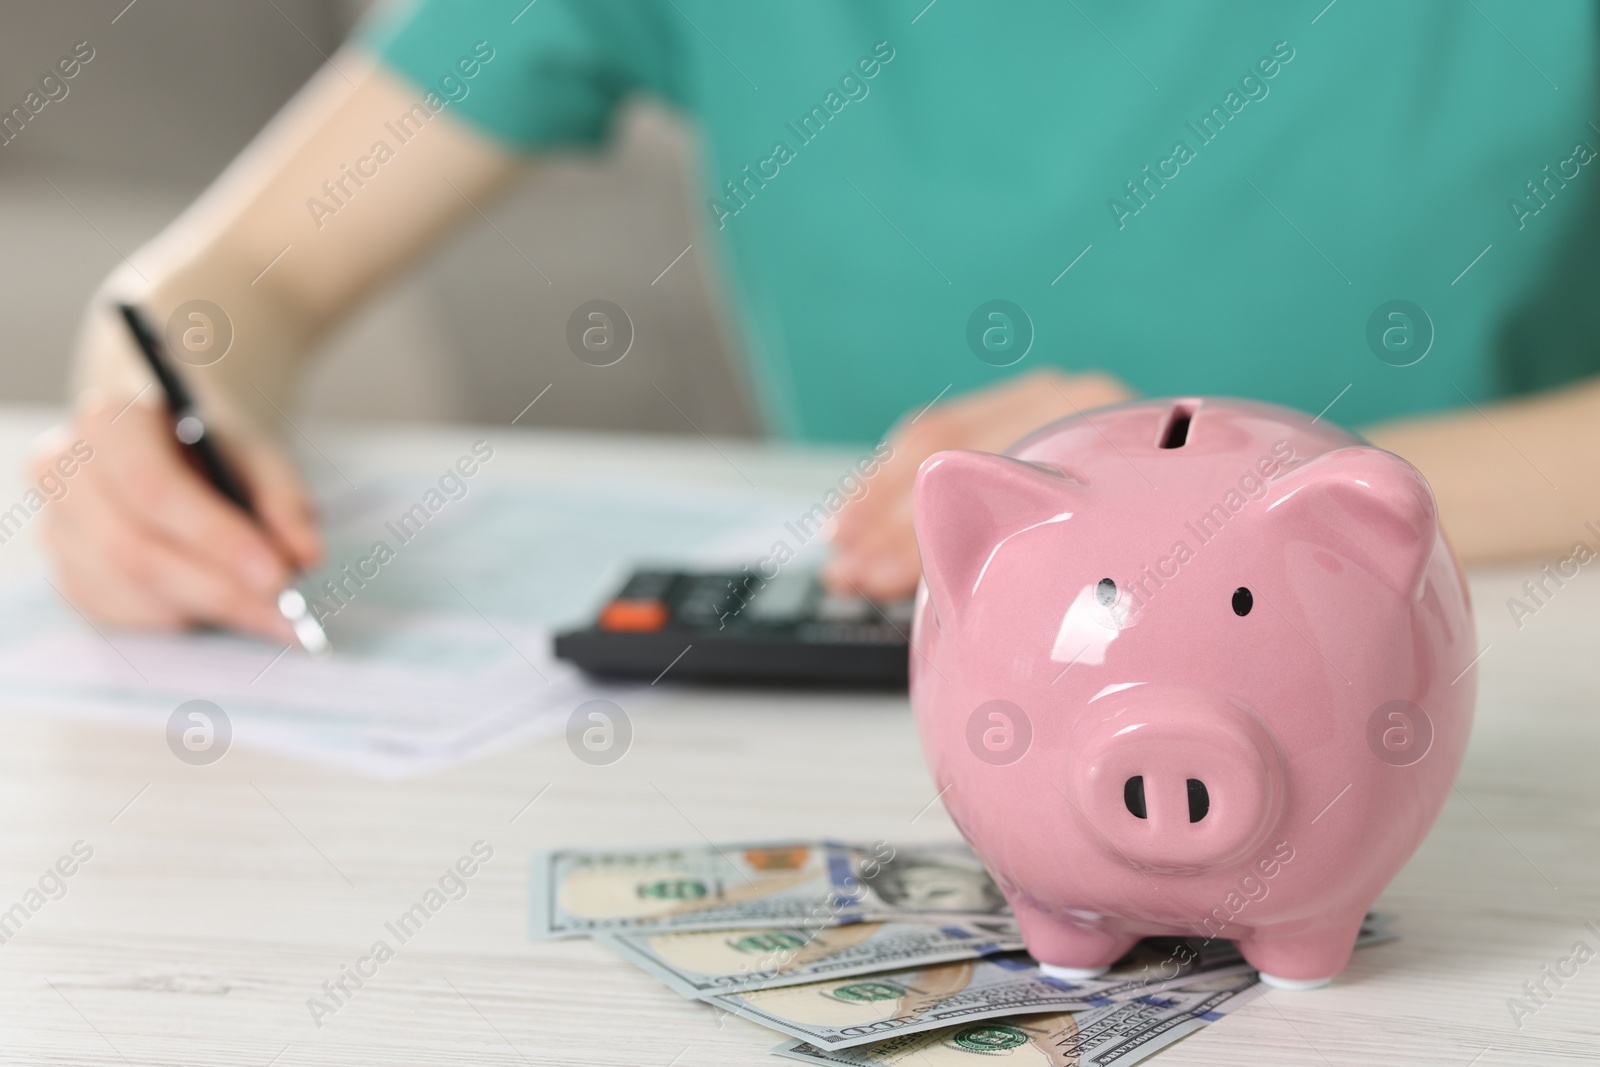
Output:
(1301, 958)
(1068, 951)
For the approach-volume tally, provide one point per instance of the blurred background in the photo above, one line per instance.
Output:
(178, 87)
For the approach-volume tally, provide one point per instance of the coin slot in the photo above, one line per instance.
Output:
(1176, 431)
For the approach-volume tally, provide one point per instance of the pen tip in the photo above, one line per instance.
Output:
(292, 606)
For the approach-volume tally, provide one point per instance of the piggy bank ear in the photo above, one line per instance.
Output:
(966, 504)
(1365, 504)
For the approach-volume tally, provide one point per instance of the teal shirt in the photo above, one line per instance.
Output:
(1196, 198)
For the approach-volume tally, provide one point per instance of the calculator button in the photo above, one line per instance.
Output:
(705, 600)
(844, 608)
(635, 616)
(900, 612)
(782, 599)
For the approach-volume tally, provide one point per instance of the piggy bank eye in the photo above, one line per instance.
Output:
(1106, 592)
(1242, 601)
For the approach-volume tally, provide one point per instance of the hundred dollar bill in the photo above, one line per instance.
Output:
(705, 962)
(847, 1012)
(709, 887)
(1119, 1034)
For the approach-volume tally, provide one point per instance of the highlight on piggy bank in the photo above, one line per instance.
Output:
(1198, 667)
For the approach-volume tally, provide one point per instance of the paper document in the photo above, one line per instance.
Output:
(441, 637)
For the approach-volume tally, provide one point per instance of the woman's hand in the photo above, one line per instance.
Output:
(875, 547)
(139, 538)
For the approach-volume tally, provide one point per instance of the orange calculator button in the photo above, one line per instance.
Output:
(637, 616)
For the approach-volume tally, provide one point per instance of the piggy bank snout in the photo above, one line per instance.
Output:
(1174, 780)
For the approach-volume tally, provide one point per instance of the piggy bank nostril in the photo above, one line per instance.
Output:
(1199, 800)
(1133, 795)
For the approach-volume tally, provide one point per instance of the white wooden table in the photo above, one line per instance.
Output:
(219, 899)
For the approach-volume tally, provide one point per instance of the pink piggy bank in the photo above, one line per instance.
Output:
(1197, 667)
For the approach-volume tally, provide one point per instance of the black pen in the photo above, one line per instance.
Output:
(190, 429)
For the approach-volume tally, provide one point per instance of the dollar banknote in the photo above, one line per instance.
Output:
(1118, 1034)
(844, 1013)
(698, 963)
(807, 884)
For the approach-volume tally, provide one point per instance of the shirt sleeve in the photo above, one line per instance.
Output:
(545, 74)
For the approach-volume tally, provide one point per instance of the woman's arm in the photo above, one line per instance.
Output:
(1513, 480)
(347, 185)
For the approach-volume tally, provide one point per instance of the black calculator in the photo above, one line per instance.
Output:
(739, 627)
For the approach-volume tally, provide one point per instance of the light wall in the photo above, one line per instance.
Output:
(177, 87)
